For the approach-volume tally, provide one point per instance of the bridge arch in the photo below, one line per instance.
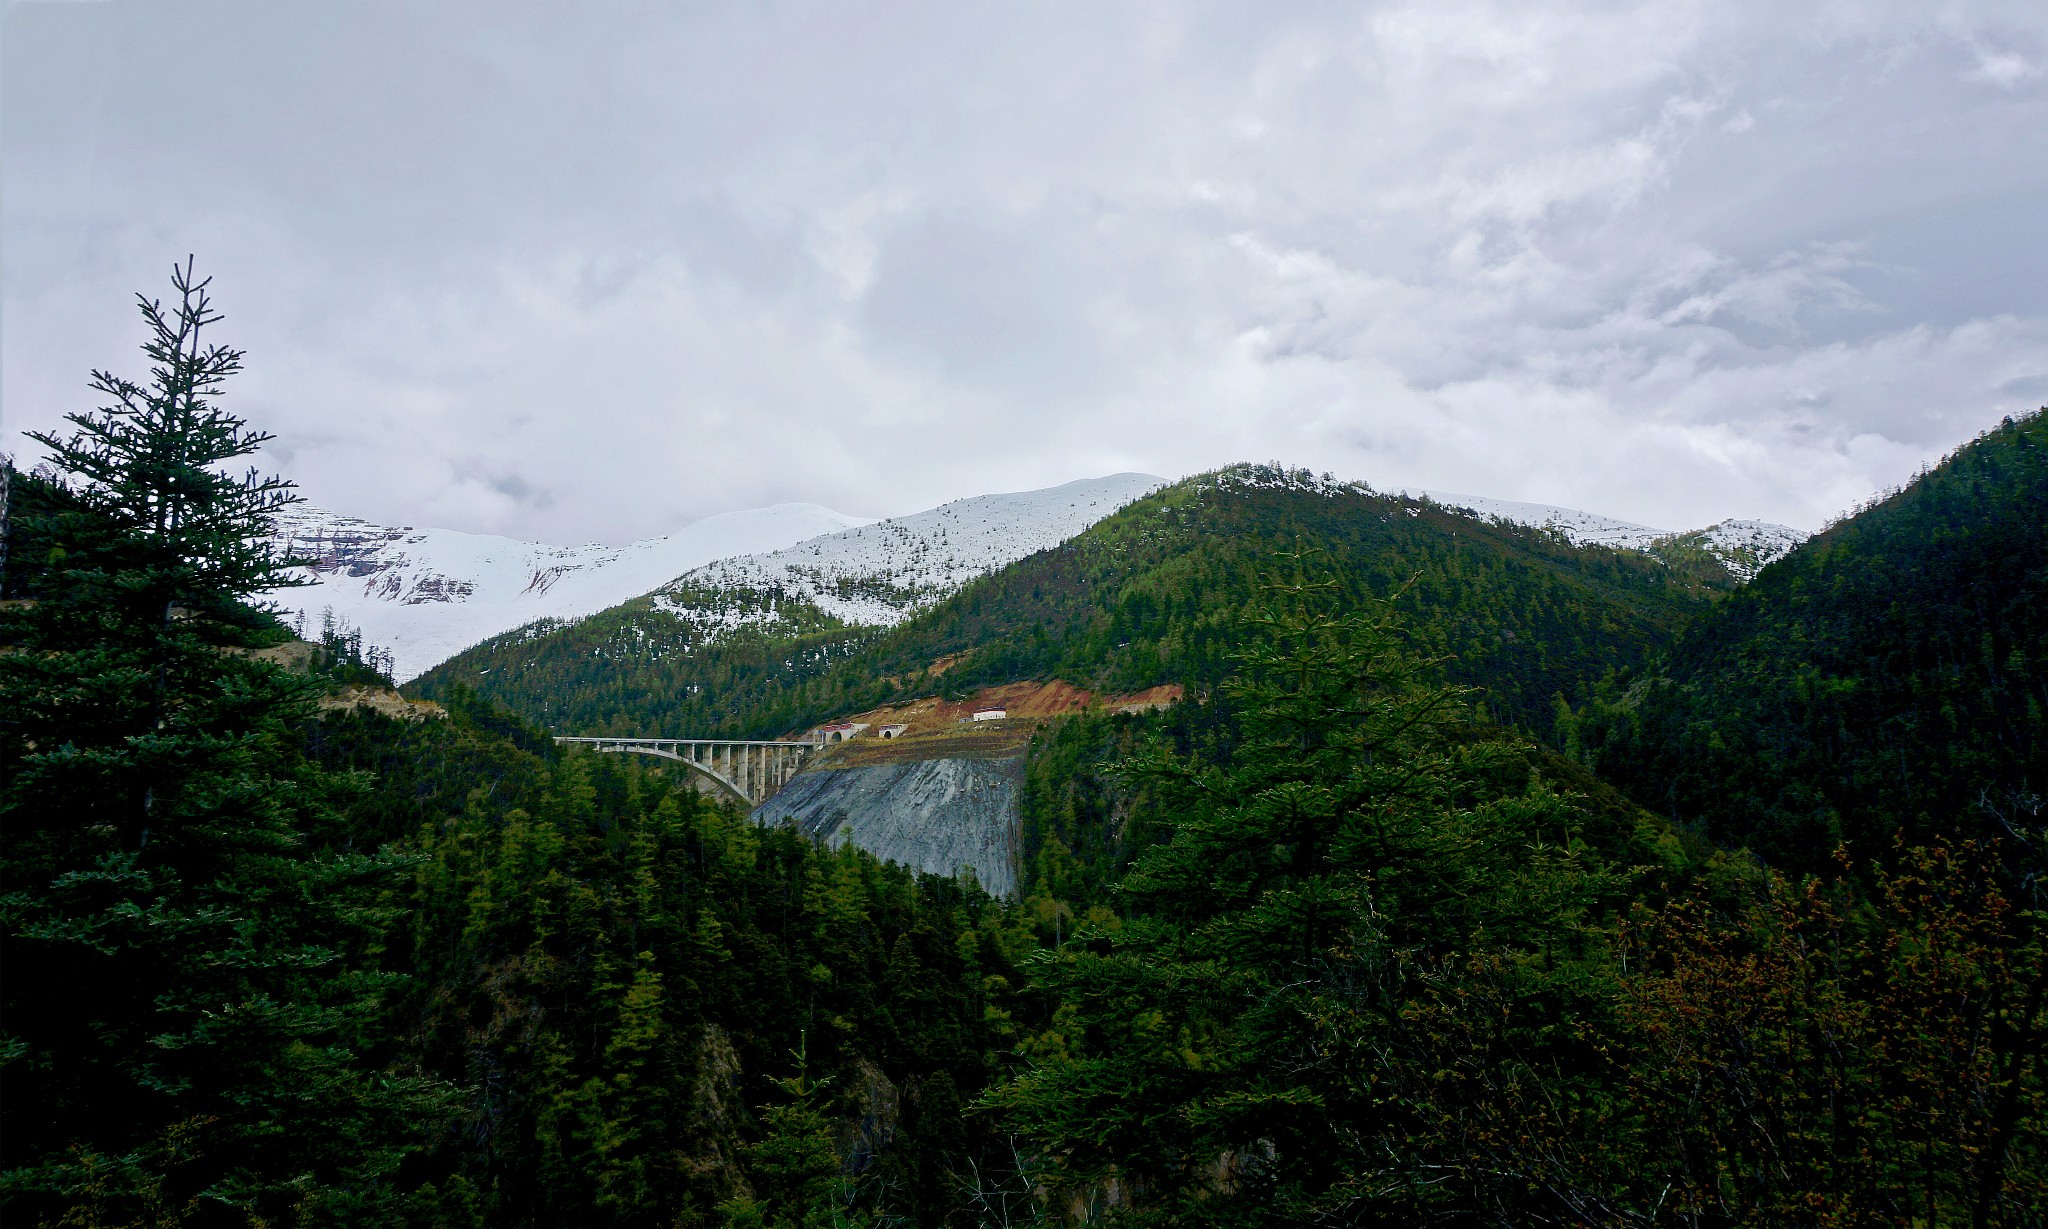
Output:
(750, 771)
(730, 786)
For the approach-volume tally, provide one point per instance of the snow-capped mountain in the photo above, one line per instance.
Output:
(880, 573)
(1743, 547)
(1583, 528)
(426, 594)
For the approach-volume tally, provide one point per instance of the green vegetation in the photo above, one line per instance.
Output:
(1329, 942)
(267, 969)
(1890, 674)
(621, 973)
(1381, 969)
(1151, 595)
(642, 666)
(1250, 1044)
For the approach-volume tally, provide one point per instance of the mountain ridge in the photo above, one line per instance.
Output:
(874, 575)
(1150, 595)
(426, 595)
(1744, 547)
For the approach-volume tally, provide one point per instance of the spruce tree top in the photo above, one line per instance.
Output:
(197, 539)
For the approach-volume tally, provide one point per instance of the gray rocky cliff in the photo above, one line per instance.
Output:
(937, 815)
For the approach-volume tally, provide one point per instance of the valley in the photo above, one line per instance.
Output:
(1024, 616)
(1125, 586)
(1122, 807)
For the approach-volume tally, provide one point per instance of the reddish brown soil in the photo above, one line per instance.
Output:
(944, 729)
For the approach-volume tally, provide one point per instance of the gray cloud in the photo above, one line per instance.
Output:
(589, 272)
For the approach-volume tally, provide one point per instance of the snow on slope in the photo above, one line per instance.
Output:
(880, 573)
(427, 594)
(1584, 528)
(1744, 547)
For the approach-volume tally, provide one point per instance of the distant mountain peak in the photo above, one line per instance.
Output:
(1744, 547)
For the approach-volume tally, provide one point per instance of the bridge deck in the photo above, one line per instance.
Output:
(695, 742)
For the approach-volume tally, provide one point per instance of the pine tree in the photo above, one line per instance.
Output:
(186, 999)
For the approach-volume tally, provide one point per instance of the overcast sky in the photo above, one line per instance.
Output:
(590, 271)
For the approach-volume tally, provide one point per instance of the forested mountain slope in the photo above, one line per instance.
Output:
(1147, 596)
(1890, 673)
(1740, 546)
(621, 973)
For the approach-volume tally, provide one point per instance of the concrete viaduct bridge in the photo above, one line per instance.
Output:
(749, 771)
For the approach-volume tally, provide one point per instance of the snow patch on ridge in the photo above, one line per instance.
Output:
(1276, 477)
(878, 574)
(1743, 547)
(1582, 528)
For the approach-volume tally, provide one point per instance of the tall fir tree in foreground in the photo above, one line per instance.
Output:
(187, 1000)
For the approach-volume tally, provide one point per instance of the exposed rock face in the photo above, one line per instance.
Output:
(862, 1141)
(717, 1118)
(937, 815)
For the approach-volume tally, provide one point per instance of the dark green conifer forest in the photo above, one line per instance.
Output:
(1478, 880)
(1890, 675)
